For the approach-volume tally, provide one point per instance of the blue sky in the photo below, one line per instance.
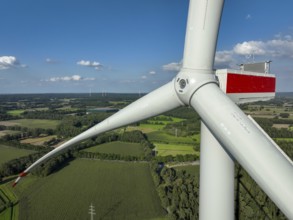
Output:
(131, 45)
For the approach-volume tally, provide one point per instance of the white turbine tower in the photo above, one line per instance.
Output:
(227, 133)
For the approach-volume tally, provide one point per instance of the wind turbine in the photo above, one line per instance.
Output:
(230, 133)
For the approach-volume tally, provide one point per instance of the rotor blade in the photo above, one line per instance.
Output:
(241, 138)
(201, 33)
(154, 103)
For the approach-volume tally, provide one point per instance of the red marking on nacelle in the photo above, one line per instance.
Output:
(242, 83)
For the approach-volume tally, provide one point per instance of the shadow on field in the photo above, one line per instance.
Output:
(111, 209)
(62, 165)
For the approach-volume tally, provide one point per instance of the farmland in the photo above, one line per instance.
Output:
(117, 147)
(9, 153)
(15, 112)
(94, 174)
(8, 197)
(174, 149)
(5, 132)
(32, 123)
(162, 137)
(38, 141)
(117, 190)
(154, 124)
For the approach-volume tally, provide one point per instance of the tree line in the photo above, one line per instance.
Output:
(16, 166)
(25, 132)
(178, 191)
(250, 200)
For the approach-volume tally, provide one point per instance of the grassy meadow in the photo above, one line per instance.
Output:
(174, 149)
(117, 190)
(16, 112)
(154, 124)
(7, 196)
(32, 123)
(9, 153)
(118, 147)
(162, 137)
(5, 132)
(268, 111)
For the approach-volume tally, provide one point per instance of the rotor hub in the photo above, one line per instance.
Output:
(188, 81)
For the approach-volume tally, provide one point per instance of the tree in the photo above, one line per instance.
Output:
(284, 115)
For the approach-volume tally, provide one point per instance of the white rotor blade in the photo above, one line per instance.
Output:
(154, 103)
(241, 138)
(201, 33)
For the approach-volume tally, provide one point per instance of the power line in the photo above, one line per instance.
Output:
(92, 211)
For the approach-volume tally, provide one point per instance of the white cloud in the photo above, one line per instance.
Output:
(172, 67)
(224, 58)
(69, 78)
(281, 47)
(144, 77)
(50, 61)
(152, 72)
(250, 47)
(7, 62)
(248, 17)
(96, 65)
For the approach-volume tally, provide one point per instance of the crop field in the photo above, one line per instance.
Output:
(268, 111)
(154, 124)
(32, 123)
(117, 190)
(118, 147)
(145, 128)
(174, 149)
(5, 132)
(6, 197)
(17, 112)
(9, 153)
(279, 126)
(164, 120)
(162, 137)
(37, 141)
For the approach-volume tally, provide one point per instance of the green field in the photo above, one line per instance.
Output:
(7, 196)
(38, 140)
(155, 124)
(17, 112)
(32, 123)
(268, 111)
(9, 153)
(117, 190)
(174, 149)
(118, 147)
(162, 137)
(5, 132)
